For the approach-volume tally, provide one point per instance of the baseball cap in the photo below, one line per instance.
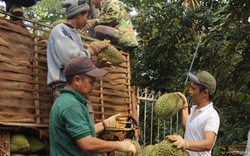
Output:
(204, 78)
(74, 7)
(83, 65)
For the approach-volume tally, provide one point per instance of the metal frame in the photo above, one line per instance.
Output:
(149, 96)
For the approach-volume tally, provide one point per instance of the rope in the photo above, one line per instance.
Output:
(198, 45)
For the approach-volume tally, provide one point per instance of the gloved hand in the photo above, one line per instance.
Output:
(112, 123)
(179, 142)
(90, 24)
(97, 46)
(126, 146)
(102, 62)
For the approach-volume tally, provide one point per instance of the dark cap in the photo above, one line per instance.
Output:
(74, 7)
(82, 65)
(204, 78)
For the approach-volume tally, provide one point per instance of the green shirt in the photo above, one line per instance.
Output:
(69, 121)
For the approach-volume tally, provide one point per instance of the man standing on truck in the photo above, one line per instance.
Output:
(113, 24)
(202, 124)
(71, 129)
(65, 43)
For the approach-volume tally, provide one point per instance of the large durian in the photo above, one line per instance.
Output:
(167, 105)
(112, 55)
(166, 148)
(19, 143)
(148, 150)
(35, 144)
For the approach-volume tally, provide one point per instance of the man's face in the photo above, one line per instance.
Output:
(86, 86)
(97, 3)
(82, 20)
(194, 93)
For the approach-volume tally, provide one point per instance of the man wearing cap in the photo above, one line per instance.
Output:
(65, 43)
(71, 129)
(202, 124)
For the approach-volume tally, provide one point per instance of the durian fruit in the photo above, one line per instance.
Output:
(185, 153)
(112, 55)
(103, 154)
(166, 148)
(148, 150)
(167, 105)
(19, 143)
(35, 144)
(119, 153)
(16, 154)
(137, 146)
(59, 21)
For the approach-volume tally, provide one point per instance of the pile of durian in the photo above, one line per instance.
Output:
(164, 148)
(22, 145)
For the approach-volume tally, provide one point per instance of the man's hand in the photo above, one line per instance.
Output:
(97, 46)
(111, 122)
(90, 24)
(178, 141)
(184, 100)
(126, 146)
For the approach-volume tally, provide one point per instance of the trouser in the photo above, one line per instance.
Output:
(102, 32)
(56, 90)
(24, 3)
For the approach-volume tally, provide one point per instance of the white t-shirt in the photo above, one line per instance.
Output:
(199, 121)
(247, 152)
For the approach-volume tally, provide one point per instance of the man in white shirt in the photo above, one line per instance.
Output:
(202, 124)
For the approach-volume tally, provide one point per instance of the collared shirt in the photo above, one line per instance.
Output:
(69, 121)
(200, 121)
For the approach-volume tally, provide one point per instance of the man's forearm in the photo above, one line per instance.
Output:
(99, 127)
(184, 116)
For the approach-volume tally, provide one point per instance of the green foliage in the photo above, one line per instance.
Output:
(46, 11)
(168, 36)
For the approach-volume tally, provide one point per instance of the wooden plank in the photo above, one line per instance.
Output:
(23, 64)
(22, 80)
(46, 90)
(125, 107)
(25, 106)
(25, 97)
(23, 18)
(23, 57)
(25, 114)
(110, 100)
(116, 88)
(110, 93)
(9, 125)
(42, 75)
(110, 114)
(4, 142)
(30, 42)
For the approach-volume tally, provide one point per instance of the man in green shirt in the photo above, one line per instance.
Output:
(72, 132)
